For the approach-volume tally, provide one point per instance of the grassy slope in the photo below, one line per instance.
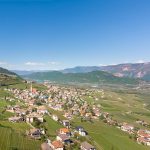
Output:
(120, 103)
(12, 140)
(18, 127)
(52, 127)
(13, 133)
(9, 80)
(109, 137)
(5, 71)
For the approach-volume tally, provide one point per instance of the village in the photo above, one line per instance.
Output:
(69, 101)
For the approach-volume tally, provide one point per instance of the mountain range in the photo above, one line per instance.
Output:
(24, 72)
(94, 77)
(112, 74)
(136, 70)
(131, 70)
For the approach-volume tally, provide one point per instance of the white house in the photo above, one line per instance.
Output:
(127, 128)
(42, 110)
(15, 119)
(55, 117)
(66, 123)
(30, 117)
(82, 133)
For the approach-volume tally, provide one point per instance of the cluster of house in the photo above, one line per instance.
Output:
(65, 134)
(28, 96)
(143, 137)
(58, 145)
(64, 137)
(127, 128)
(27, 114)
(143, 123)
(70, 102)
(56, 100)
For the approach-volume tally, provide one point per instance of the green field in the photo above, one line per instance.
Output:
(10, 140)
(52, 127)
(109, 138)
(3, 103)
(124, 106)
(19, 127)
(4, 93)
(27, 86)
(5, 115)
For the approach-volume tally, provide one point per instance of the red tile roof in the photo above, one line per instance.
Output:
(57, 144)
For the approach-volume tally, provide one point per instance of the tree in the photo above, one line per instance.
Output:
(101, 117)
(36, 123)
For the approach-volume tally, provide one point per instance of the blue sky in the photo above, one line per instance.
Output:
(57, 34)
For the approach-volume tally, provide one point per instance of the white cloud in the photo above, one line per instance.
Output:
(53, 63)
(140, 61)
(104, 65)
(34, 64)
(3, 63)
(7, 65)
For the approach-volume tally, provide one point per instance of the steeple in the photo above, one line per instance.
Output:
(31, 88)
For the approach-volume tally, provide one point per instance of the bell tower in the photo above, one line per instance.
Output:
(31, 88)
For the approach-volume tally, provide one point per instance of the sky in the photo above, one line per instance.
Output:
(57, 34)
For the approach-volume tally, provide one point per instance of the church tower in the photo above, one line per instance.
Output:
(31, 88)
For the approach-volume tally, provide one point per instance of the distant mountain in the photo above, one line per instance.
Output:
(81, 69)
(7, 77)
(7, 72)
(137, 70)
(23, 72)
(95, 77)
(26, 72)
(129, 70)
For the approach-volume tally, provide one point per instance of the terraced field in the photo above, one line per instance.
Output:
(10, 140)
(18, 127)
(127, 106)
